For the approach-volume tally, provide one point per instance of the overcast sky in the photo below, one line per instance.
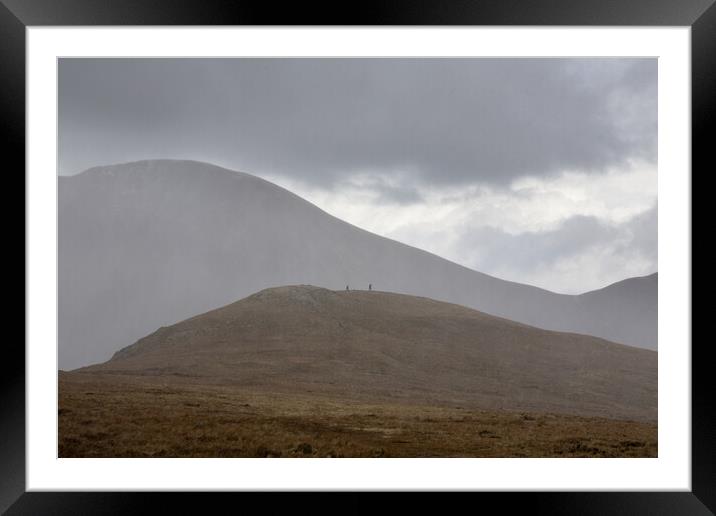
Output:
(542, 171)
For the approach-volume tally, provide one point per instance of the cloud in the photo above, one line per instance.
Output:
(536, 170)
(449, 121)
(495, 249)
(571, 232)
(382, 189)
(582, 254)
(642, 236)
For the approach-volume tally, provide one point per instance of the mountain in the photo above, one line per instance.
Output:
(379, 345)
(631, 299)
(147, 244)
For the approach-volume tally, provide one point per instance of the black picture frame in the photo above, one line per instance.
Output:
(16, 15)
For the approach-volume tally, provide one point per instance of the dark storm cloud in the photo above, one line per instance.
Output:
(444, 121)
(399, 195)
(384, 191)
(644, 231)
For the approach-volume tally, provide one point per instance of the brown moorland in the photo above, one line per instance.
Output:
(305, 371)
(120, 416)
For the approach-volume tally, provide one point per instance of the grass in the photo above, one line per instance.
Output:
(103, 416)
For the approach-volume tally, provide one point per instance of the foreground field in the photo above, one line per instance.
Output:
(113, 416)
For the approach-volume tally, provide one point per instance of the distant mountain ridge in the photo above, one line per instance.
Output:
(379, 345)
(146, 244)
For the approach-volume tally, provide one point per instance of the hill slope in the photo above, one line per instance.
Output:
(149, 243)
(378, 345)
(632, 299)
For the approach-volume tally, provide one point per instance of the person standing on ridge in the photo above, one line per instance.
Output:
(346, 288)
(370, 286)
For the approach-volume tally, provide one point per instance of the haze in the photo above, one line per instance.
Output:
(541, 171)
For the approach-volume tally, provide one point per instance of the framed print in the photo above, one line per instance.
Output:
(445, 248)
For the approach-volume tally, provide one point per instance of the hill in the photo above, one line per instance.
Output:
(146, 244)
(370, 346)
